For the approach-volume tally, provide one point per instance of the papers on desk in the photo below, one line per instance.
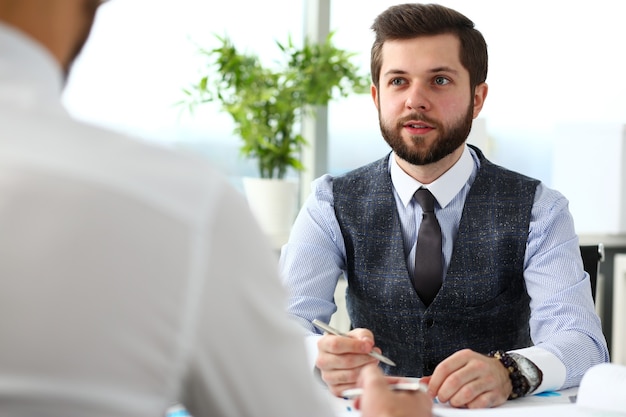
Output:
(522, 407)
(603, 388)
(547, 404)
(602, 393)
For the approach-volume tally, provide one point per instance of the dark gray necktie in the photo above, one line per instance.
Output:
(428, 257)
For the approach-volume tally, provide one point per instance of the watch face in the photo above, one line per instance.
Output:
(529, 370)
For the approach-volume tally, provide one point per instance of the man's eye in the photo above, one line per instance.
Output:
(441, 81)
(397, 81)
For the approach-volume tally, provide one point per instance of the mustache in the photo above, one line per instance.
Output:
(417, 117)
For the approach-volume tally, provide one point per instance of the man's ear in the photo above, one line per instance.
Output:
(374, 92)
(480, 94)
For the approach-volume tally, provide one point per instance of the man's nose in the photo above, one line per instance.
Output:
(418, 98)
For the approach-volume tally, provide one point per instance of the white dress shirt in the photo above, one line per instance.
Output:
(132, 277)
(565, 328)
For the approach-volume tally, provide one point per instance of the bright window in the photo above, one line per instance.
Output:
(552, 63)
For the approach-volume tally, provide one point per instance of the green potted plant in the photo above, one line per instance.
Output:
(267, 102)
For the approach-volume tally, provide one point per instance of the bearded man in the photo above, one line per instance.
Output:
(482, 268)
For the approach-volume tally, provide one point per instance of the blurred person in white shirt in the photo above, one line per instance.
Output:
(132, 277)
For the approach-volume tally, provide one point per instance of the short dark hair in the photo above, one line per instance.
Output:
(411, 20)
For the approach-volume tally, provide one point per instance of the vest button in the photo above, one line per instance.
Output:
(429, 323)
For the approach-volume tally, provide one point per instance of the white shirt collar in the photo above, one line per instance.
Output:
(29, 75)
(443, 188)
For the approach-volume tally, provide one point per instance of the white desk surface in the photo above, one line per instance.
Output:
(550, 404)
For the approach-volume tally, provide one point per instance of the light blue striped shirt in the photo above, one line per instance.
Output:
(565, 328)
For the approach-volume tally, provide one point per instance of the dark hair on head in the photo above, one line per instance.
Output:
(410, 20)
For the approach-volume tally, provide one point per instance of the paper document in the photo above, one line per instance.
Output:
(602, 393)
(603, 388)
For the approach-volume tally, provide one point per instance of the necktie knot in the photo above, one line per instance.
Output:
(425, 199)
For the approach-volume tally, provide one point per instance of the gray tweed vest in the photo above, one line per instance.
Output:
(483, 303)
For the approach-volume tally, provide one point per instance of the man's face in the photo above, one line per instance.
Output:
(425, 106)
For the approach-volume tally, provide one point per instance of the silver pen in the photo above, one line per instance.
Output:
(400, 386)
(328, 329)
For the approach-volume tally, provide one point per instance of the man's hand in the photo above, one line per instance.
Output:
(469, 379)
(379, 401)
(341, 359)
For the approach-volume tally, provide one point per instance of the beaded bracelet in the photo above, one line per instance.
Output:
(518, 380)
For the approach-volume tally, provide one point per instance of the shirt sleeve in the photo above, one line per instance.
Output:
(247, 357)
(315, 240)
(563, 319)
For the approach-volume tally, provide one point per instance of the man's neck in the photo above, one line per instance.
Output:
(426, 174)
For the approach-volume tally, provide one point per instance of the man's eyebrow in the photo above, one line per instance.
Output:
(395, 72)
(444, 69)
(435, 70)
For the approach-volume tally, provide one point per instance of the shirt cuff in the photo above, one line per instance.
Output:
(553, 369)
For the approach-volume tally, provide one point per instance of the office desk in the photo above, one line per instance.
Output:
(548, 404)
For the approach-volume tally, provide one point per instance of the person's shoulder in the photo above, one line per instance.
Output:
(135, 166)
(323, 187)
(544, 194)
(378, 165)
(143, 154)
(549, 198)
(487, 165)
(363, 174)
(49, 143)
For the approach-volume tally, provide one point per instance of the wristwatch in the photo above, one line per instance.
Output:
(528, 368)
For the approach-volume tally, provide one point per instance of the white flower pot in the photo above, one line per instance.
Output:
(274, 204)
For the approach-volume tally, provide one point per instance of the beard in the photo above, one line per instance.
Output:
(449, 137)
